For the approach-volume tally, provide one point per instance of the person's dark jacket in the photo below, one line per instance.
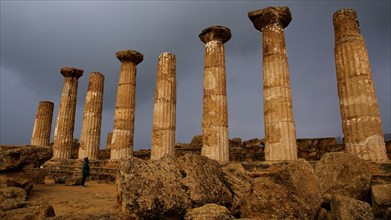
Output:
(86, 167)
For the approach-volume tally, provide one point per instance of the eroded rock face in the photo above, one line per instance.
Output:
(299, 178)
(168, 187)
(346, 208)
(239, 182)
(16, 157)
(269, 200)
(210, 212)
(381, 199)
(343, 174)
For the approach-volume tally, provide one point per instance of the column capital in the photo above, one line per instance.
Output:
(219, 33)
(130, 56)
(270, 15)
(345, 13)
(71, 72)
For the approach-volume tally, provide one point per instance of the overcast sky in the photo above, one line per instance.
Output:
(40, 37)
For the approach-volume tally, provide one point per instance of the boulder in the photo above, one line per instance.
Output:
(381, 199)
(210, 212)
(300, 180)
(168, 187)
(74, 180)
(9, 204)
(269, 200)
(239, 182)
(16, 157)
(345, 208)
(343, 174)
(235, 142)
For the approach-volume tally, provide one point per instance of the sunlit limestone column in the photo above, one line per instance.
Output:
(43, 124)
(361, 123)
(123, 129)
(280, 132)
(92, 118)
(215, 104)
(63, 134)
(164, 112)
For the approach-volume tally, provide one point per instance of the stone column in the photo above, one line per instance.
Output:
(361, 123)
(92, 119)
(108, 140)
(164, 112)
(43, 124)
(123, 129)
(280, 132)
(215, 104)
(63, 134)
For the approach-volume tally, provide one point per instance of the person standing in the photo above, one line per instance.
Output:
(85, 170)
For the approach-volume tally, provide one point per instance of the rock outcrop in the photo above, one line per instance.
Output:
(343, 174)
(269, 200)
(300, 180)
(168, 187)
(19, 173)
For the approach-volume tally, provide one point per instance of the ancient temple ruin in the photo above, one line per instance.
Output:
(361, 122)
(280, 132)
(63, 133)
(215, 103)
(164, 111)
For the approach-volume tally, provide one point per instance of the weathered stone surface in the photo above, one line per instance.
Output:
(63, 133)
(125, 106)
(164, 112)
(280, 131)
(74, 180)
(215, 103)
(92, 119)
(322, 215)
(361, 122)
(42, 124)
(239, 182)
(9, 204)
(170, 186)
(16, 157)
(345, 208)
(381, 199)
(210, 212)
(269, 200)
(300, 180)
(29, 211)
(343, 174)
(12, 193)
(26, 179)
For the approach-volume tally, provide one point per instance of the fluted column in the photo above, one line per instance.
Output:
(63, 134)
(280, 132)
(108, 140)
(92, 118)
(215, 104)
(43, 124)
(164, 111)
(361, 122)
(123, 129)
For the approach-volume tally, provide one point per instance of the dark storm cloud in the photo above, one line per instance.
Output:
(37, 38)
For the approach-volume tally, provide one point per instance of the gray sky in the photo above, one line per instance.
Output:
(40, 37)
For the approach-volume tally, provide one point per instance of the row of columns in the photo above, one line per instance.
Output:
(361, 121)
